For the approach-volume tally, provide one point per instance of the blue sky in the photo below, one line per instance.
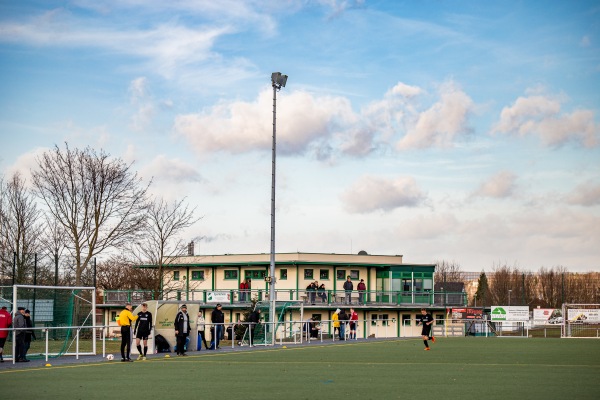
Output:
(440, 130)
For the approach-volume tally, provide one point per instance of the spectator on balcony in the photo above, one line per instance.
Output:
(311, 293)
(348, 287)
(248, 289)
(243, 289)
(322, 293)
(361, 287)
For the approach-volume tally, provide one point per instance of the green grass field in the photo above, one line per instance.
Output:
(460, 368)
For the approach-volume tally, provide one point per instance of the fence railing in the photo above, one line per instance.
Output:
(316, 298)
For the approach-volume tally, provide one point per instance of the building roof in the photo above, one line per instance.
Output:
(287, 258)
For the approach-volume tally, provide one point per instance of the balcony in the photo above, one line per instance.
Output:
(327, 298)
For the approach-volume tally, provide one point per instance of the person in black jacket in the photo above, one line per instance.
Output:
(30, 333)
(182, 329)
(217, 318)
(348, 286)
(254, 320)
(143, 327)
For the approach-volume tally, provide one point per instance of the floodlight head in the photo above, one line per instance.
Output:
(278, 80)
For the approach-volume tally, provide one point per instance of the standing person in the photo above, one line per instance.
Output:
(336, 323)
(201, 326)
(29, 334)
(353, 322)
(243, 288)
(5, 323)
(348, 286)
(248, 289)
(20, 322)
(218, 319)
(254, 320)
(361, 287)
(143, 327)
(322, 293)
(427, 320)
(182, 329)
(343, 319)
(125, 320)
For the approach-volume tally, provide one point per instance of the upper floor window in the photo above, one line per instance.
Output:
(324, 274)
(231, 274)
(308, 274)
(340, 274)
(175, 275)
(197, 275)
(283, 274)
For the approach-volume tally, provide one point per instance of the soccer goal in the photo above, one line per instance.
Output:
(63, 318)
(581, 321)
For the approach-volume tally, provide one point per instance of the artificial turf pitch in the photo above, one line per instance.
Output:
(455, 368)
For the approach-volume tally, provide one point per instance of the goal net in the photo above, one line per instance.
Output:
(66, 314)
(581, 320)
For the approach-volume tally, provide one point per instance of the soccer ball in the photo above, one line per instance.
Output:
(110, 357)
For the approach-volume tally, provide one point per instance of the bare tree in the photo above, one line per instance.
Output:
(20, 229)
(161, 241)
(118, 273)
(98, 201)
(448, 272)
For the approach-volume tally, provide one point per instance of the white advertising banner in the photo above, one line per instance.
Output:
(218, 297)
(542, 316)
(510, 313)
(582, 314)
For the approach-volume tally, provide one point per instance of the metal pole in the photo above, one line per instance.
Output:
(272, 264)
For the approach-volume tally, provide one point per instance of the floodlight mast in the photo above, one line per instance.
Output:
(277, 81)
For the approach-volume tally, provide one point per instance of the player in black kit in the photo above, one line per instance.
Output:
(143, 326)
(427, 320)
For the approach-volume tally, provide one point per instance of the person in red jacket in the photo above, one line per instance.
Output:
(361, 287)
(243, 290)
(5, 323)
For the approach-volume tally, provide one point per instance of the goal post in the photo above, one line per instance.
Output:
(580, 321)
(67, 314)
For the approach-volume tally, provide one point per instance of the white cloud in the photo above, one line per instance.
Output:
(442, 123)
(238, 126)
(587, 194)
(326, 125)
(541, 115)
(24, 164)
(141, 99)
(167, 47)
(500, 185)
(370, 193)
(173, 170)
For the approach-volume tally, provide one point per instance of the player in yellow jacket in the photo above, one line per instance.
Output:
(125, 320)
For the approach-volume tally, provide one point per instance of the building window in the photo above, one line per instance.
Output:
(354, 274)
(324, 274)
(255, 274)
(175, 275)
(308, 274)
(317, 317)
(406, 321)
(231, 274)
(283, 274)
(406, 284)
(197, 275)
(418, 285)
(384, 320)
(340, 274)
(113, 315)
(439, 319)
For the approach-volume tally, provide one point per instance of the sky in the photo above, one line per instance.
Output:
(458, 131)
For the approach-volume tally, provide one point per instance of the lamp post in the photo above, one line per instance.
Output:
(277, 81)
(509, 291)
